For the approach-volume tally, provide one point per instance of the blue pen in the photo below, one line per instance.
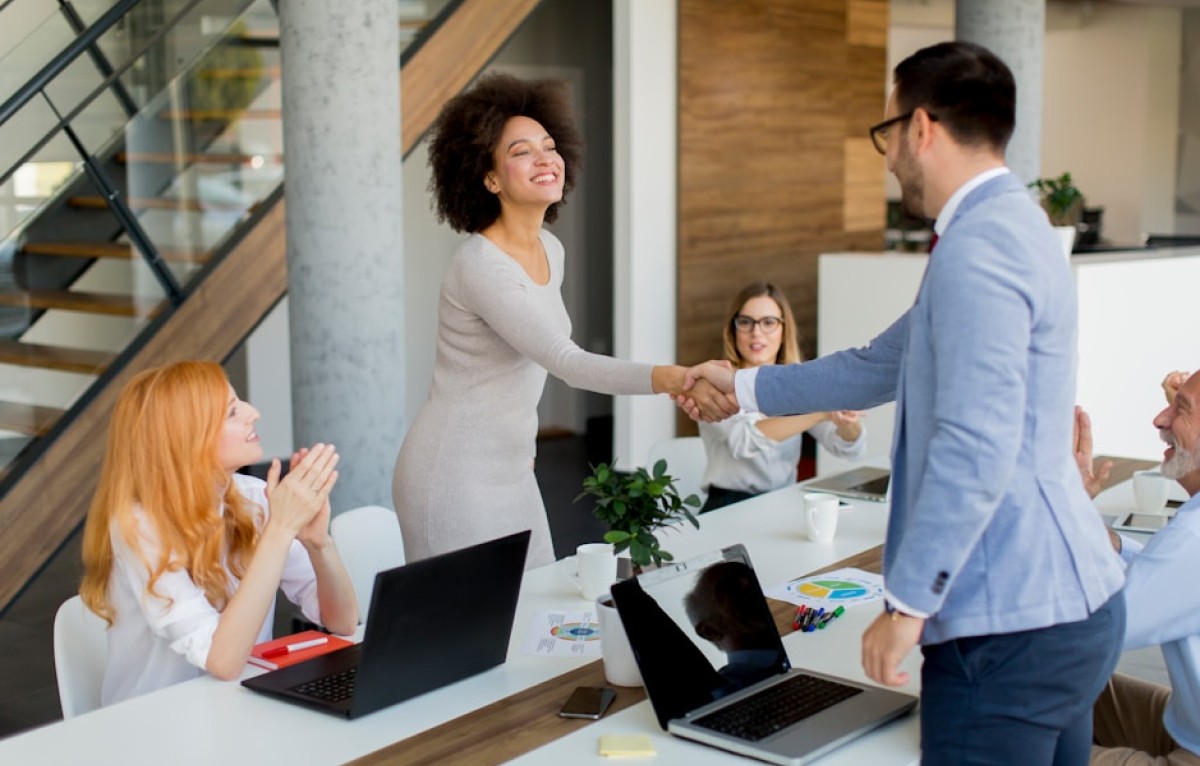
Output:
(812, 623)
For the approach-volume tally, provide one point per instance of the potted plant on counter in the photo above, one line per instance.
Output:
(1063, 203)
(635, 506)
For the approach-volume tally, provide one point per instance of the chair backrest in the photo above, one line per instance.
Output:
(369, 541)
(686, 461)
(80, 656)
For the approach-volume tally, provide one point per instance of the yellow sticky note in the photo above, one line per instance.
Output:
(626, 745)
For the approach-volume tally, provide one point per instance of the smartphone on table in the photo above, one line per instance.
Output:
(588, 702)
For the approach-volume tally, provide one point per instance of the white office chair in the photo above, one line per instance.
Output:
(369, 541)
(686, 461)
(80, 656)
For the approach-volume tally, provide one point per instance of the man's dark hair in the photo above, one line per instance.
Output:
(966, 87)
(467, 131)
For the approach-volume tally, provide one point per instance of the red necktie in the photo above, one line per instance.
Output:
(933, 241)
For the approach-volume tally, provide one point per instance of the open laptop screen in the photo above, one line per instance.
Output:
(701, 629)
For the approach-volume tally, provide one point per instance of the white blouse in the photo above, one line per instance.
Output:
(159, 641)
(744, 459)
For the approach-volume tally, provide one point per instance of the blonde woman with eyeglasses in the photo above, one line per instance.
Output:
(749, 454)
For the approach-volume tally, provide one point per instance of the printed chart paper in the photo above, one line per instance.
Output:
(841, 587)
(563, 634)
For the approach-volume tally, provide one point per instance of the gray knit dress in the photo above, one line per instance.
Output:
(465, 471)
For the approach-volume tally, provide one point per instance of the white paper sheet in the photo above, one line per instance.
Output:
(563, 634)
(842, 587)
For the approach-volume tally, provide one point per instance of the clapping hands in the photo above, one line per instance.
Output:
(300, 500)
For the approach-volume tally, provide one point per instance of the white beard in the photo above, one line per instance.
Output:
(1181, 463)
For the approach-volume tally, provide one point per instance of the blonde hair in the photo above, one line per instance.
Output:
(789, 346)
(162, 457)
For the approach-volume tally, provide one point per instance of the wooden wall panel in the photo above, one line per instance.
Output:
(775, 98)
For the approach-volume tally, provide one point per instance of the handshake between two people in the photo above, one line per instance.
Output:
(707, 393)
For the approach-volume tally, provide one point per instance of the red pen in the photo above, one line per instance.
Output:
(798, 618)
(279, 651)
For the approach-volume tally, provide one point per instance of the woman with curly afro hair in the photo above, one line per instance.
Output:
(504, 155)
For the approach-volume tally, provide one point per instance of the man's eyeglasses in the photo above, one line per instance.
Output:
(879, 133)
(769, 325)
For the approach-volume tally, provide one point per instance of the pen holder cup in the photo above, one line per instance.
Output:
(620, 668)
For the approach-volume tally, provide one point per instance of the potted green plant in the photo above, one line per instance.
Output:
(1061, 199)
(635, 506)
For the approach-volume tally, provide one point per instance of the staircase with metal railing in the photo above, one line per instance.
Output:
(141, 210)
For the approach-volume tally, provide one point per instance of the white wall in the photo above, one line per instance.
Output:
(1110, 113)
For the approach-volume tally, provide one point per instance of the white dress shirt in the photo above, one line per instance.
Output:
(157, 641)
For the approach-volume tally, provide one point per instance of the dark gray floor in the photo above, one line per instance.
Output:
(28, 693)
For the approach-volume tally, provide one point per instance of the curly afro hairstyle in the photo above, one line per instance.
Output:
(465, 135)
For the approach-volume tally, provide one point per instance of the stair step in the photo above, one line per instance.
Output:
(30, 419)
(117, 250)
(53, 357)
(196, 159)
(220, 115)
(236, 73)
(96, 303)
(96, 202)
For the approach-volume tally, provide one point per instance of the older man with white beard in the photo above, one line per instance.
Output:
(1137, 722)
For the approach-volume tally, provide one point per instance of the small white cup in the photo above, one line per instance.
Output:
(593, 569)
(1150, 490)
(620, 667)
(821, 516)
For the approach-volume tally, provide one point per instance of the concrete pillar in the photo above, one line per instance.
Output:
(1015, 30)
(341, 135)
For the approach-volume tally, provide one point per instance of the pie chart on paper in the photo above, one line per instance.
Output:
(833, 590)
(843, 587)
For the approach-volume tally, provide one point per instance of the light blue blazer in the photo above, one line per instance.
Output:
(990, 530)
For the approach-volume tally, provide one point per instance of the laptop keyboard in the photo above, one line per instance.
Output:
(777, 707)
(331, 688)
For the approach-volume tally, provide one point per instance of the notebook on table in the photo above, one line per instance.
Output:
(716, 671)
(431, 623)
(860, 483)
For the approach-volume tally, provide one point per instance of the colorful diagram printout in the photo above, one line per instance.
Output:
(844, 587)
(556, 633)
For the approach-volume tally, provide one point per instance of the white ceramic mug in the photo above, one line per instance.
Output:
(593, 569)
(1150, 490)
(821, 516)
(620, 668)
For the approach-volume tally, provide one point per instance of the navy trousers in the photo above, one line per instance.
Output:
(1019, 698)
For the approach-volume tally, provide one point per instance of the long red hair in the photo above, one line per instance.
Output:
(162, 458)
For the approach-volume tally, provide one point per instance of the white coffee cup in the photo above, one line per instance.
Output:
(593, 569)
(821, 516)
(620, 668)
(1150, 490)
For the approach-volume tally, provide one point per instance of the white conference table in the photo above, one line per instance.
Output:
(205, 721)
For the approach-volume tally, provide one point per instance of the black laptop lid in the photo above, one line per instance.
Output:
(439, 620)
(700, 629)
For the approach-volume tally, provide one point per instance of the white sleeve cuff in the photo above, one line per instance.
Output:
(743, 389)
(900, 606)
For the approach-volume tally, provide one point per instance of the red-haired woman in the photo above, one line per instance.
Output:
(182, 555)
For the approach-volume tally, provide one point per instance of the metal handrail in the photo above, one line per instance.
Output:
(102, 87)
(64, 59)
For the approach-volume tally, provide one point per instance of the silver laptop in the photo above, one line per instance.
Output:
(716, 671)
(860, 483)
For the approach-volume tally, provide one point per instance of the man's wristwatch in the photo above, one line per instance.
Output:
(892, 611)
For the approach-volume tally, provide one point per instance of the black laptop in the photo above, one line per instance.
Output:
(716, 671)
(431, 623)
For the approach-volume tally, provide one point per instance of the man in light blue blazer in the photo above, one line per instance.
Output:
(995, 560)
